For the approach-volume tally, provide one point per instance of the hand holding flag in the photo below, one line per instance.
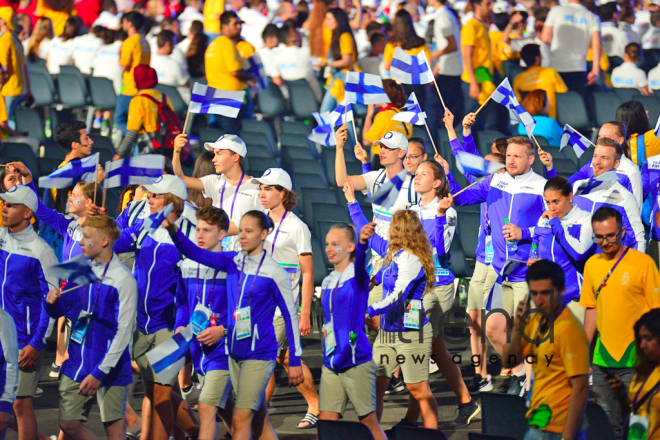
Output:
(77, 270)
(342, 114)
(324, 133)
(572, 137)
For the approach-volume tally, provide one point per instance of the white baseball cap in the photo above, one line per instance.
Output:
(21, 195)
(393, 139)
(275, 176)
(228, 142)
(501, 7)
(168, 183)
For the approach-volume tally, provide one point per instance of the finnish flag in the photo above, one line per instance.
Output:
(594, 184)
(494, 300)
(411, 112)
(476, 165)
(342, 114)
(505, 96)
(72, 173)
(256, 68)
(168, 358)
(206, 99)
(410, 69)
(138, 170)
(154, 221)
(324, 133)
(364, 88)
(387, 194)
(77, 270)
(570, 136)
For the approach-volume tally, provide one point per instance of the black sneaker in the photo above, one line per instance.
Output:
(396, 386)
(466, 412)
(403, 422)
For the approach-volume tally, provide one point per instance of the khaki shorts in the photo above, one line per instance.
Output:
(216, 386)
(512, 293)
(476, 290)
(279, 326)
(141, 345)
(437, 302)
(28, 380)
(358, 384)
(249, 380)
(416, 354)
(74, 406)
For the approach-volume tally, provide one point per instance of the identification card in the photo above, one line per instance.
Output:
(490, 251)
(638, 427)
(200, 319)
(412, 315)
(243, 323)
(329, 338)
(80, 327)
(439, 270)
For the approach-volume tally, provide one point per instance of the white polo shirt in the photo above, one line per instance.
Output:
(642, 22)
(633, 35)
(294, 63)
(171, 73)
(60, 54)
(383, 217)
(268, 60)
(254, 23)
(572, 26)
(186, 18)
(105, 64)
(84, 48)
(446, 25)
(654, 78)
(651, 39)
(614, 39)
(628, 76)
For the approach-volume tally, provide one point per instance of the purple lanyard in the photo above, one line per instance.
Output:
(98, 290)
(222, 194)
(272, 249)
(254, 280)
(215, 274)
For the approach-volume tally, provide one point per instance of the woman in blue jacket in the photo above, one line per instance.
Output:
(349, 371)
(256, 286)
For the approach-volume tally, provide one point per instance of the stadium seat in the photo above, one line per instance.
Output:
(605, 105)
(307, 166)
(586, 157)
(543, 142)
(102, 144)
(410, 433)
(291, 153)
(42, 88)
(260, 164)
(333, 430)
(254, 126)
(271, 102)
(652, 105)
(626, 95)
(296, 127)
(572, 110)
(41, 69)
(180, 107)
(28, 121)
(307, 180)
(600, 427)
(485, 138)
(303, 102)
(295, 140)
(328, 212)
(261, 138)
(564, 167)
(259, 151)
(13, 152)
(72, 90)
(568, 153)
(503, 414)
(103, 93)
(458, 262)
(322, 228)
(316, 195)
(209, 135)
(467, 231)
(320, 266)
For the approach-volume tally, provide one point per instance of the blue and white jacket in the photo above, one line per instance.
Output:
(271, 289)
(156, 266)
(8, 362)
(349, 293)
(25, 260)
(520, 199)
(135, 211)
(208, 286)
(651, 185)
(615, 196)
(112, 303)
(568, 242)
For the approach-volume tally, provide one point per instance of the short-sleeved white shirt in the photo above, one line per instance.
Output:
(628, 76)
(382, 217)
(187, 17)
(572, 26)
(170, 72)
(105, 64)
(651, 39)
(268, 60)
(654, 78)
(642, 22)
(60, 54)
(246, 200)
(107, 20)
(84, 48)
(253, 26)
(633, 35)
(294, 63)
(446, 25)
(614, 39)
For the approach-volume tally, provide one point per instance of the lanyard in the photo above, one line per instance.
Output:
(222, 194)
(215, 274)
(650, 394)
(332, 292)
(98, 289)
(272, 249)
(256, 274)
(607, 277)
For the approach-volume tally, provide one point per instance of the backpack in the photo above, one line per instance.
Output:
(169, 127)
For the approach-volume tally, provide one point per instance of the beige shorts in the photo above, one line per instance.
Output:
(512, 293)
(358, 384)
(216, 386)
(74, 406)
(280, 334)
(375, 295)
(28, 380)
(437, 302)
(413, 355)
(141, 345)
(476, 290)
(249, 380)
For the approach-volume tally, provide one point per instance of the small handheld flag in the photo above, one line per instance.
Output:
(476, 165)
(594, 184)
(206, 99)
(656, 130)
(571, 137)
(168, 358)
(154, 221)
(257, 69)
(411, 112)
(324, 133)
(494, 300)
(410, 69)
(72, 173)
(387, 194)
(138, 170)
(342, 114)
(77, 270)
(364, 88)
(505, 96)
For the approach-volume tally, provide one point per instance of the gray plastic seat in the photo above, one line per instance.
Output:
(571, 110)
(103, 93)
(303, 102)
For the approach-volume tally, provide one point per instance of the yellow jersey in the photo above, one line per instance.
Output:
(651, 146)
(12, 59)
(58, 18)
(221, 59)
(212, 11)
(545, 78)
(475, 34)
(134, 51)
(143, 112)
(383, 123)
(651, 408)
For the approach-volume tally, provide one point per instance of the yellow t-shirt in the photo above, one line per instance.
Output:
(545, 78)
(12, 59)
(650, 408)
(134, 51)
(557, 362)
(212, 11)
(604, 61)
(390, 47)
(632, 290)
(143, 112)
(346, 47)
(475, 34)
(245, 49)
(3, 117)
(327, 40)
(383, 123)
(651, 146)
(221, 60)
(58, 18)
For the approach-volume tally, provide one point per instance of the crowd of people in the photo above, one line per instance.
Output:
(565, 287)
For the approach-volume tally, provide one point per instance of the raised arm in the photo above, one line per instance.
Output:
(340, 162)
(215, 260)
(193, 183)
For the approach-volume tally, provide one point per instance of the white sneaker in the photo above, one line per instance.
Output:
(433, 367)
(192, 396)
(486, 384)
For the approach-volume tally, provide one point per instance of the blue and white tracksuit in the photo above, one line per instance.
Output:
(613, 195)
(568, 242)
(112, 303)
(627, 173)
(520, 199)
(200, 284)
(8, 362)
(651, 185)
(156, 266)
(270, 288)
(25, 260)
(135, 211)
(348, 291)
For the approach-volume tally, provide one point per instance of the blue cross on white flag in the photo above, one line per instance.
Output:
(77, 270)
(138, 170)
(410, 69)
(494, 300)
(584, 187)
(154, 221)
(387, 194)
(411, 112)
(341, 115)
(571, 137)
(476, 165)
(364, 88)
(505, 96)
(168, 358)
(206, 99)
(72, 173)
(324, 133)
(656, 131)
(257, 69)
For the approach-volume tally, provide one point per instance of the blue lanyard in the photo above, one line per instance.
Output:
(256, 274)
(222, 194)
